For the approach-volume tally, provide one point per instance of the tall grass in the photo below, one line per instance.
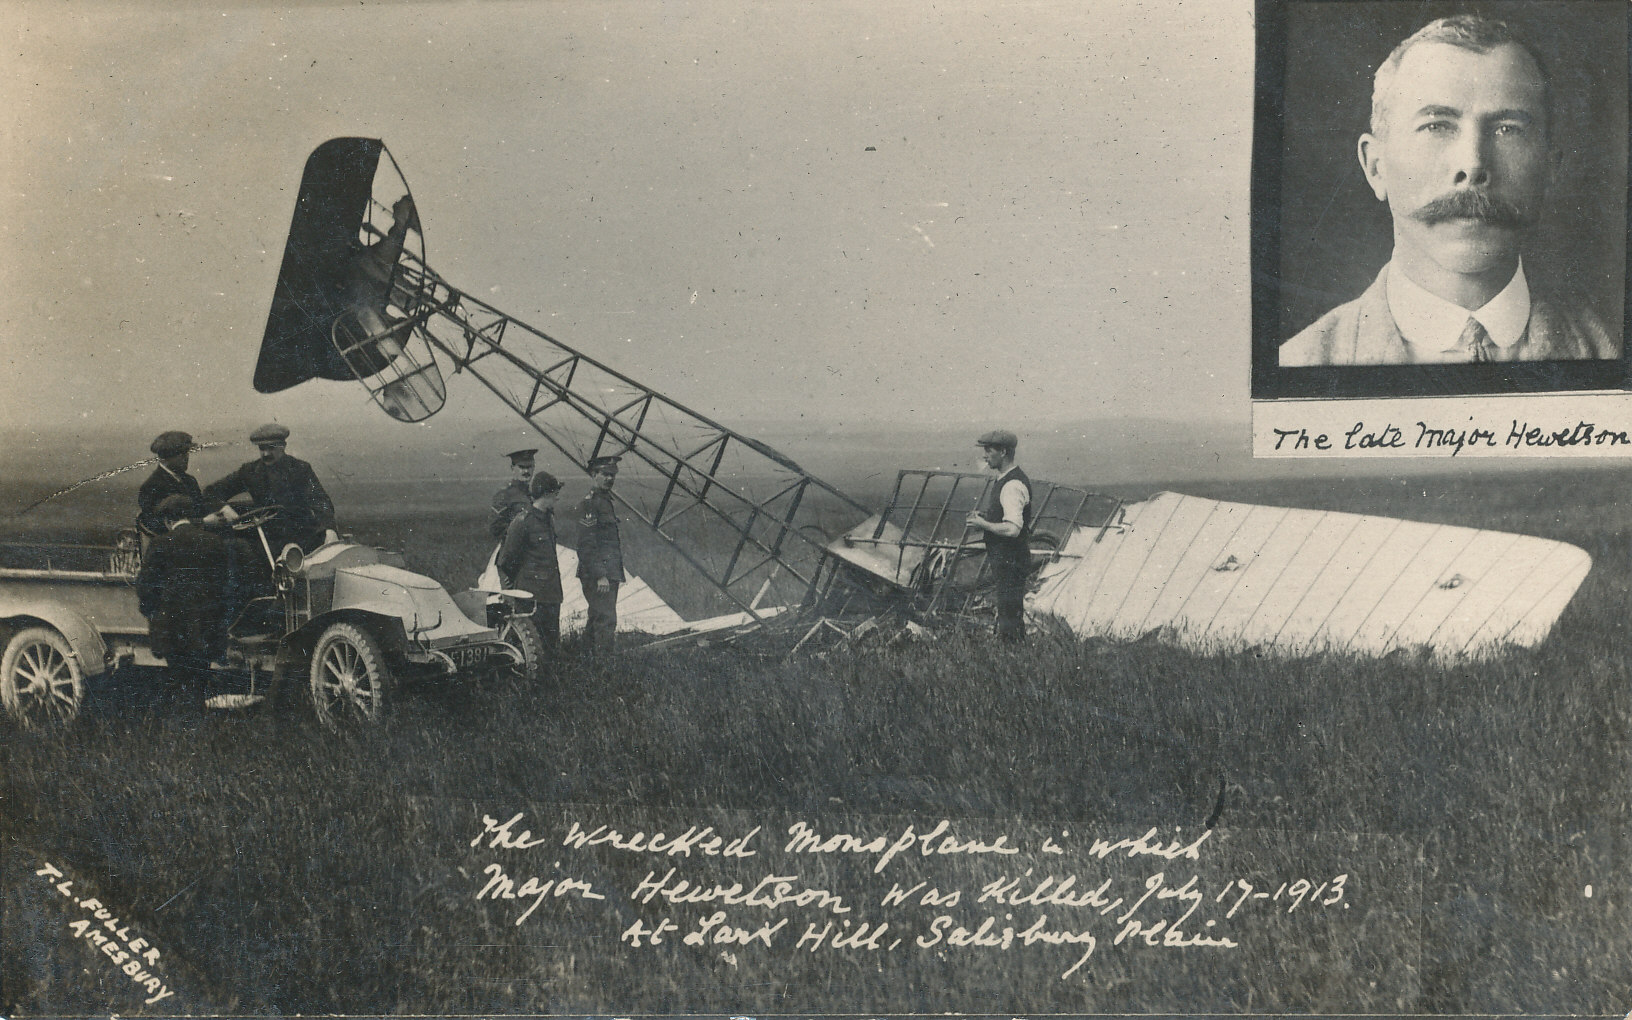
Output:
(283, 869)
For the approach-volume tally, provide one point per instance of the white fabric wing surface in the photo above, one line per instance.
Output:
(1216, 575)
(639, 607)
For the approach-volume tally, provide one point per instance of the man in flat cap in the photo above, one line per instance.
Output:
(170, 478)
(1004, 517)
(513, 500)
(527, 558)
(600, 555)
(1462, 148)
(182, 589)
(277, 479)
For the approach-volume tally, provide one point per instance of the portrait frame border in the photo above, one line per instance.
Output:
(1269, 380)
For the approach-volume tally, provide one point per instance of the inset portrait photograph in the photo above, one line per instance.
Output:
(1439, 197)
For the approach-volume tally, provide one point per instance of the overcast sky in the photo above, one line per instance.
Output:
(835, 211)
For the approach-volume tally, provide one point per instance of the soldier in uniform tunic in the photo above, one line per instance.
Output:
(1004, 515)
(513, 500)
(600, 555)
(277, 479)
(527, 558)
(170, 478)
(182, 590)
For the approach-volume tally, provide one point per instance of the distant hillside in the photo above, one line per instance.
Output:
(1081, 452)
(1095, 453)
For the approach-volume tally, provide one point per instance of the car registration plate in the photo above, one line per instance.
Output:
(470, 655)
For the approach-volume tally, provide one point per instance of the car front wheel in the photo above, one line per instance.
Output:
(522, 634)
(350, 681)
(41, 684)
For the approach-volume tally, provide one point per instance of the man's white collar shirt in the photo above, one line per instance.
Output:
(1432, 327)
(1012, 497)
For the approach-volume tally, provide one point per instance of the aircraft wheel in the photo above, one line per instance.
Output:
(41, 684)
(350, 681)
(1043, 543)
(523, 634)
(1043, 547)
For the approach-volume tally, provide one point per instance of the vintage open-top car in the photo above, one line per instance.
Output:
(348, 619)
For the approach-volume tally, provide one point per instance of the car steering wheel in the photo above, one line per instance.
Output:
(254, 517)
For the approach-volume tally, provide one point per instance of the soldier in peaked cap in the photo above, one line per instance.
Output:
(170, 478)
(513, 500)
(600, 555)
(527, 558)
(1004, 517)
(277, 479)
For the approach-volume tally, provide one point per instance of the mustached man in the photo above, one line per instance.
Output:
(1461, 148)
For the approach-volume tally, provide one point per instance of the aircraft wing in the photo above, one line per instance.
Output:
(1214, 575)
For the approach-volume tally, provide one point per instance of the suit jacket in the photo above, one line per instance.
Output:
(160, 484)
(290, 484)
(1362, 332)
(182, 590)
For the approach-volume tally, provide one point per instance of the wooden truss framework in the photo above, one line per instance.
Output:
(536, 375)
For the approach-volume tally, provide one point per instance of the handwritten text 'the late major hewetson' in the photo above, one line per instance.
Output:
(1455, 438)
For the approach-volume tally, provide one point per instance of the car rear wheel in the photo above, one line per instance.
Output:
(41, 684)
(350, 681)
(522, 634)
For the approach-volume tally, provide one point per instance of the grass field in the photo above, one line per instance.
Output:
(1479, 812)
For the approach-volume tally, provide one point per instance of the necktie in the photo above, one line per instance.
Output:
(1476, 341)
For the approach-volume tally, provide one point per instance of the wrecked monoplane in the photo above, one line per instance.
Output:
(357, 300)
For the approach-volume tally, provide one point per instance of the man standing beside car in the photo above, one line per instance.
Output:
(600, 555)
(182, 589)
(170, 478)
(527, 558)
(512, 501)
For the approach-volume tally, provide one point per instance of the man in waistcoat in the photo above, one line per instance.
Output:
(600, 555)
(1004, 516)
